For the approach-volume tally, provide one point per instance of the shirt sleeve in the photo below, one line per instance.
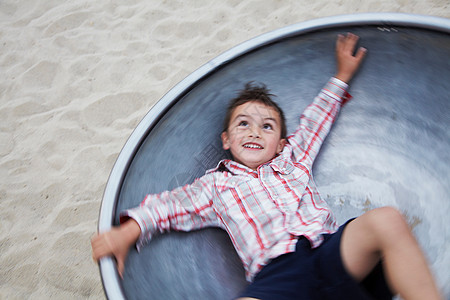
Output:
(184, 209)
(316, 121)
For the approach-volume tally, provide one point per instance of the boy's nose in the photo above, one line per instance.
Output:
(255, 132)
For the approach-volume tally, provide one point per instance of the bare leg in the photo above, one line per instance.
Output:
(383, 234)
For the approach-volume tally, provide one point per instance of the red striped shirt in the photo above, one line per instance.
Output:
(263, 211)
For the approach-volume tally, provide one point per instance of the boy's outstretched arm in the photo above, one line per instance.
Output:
(116, 242)
(347, 63)
(185, 208)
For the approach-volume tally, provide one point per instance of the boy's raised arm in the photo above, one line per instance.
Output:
(318, 117)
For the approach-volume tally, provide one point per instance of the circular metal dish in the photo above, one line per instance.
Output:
(390, 145)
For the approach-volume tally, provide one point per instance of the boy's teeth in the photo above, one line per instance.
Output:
(253, 146)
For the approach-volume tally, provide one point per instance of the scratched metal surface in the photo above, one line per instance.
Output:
(389, 146)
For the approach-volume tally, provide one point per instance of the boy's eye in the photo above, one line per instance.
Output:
(267, 126)
(243, 123)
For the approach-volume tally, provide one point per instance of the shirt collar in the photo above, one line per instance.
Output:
(283, 163)
(233, 167)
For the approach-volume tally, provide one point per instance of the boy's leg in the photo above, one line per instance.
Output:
(383, 234)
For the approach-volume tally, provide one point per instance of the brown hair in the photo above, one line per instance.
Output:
(259, 93)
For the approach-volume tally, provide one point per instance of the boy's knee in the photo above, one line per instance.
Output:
(389, 214)
(389, 220)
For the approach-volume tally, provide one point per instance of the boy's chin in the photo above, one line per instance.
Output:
(253, 165)
(250, 163)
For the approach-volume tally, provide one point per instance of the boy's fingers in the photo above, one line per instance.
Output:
(97, 252)
(339, 42)
(361, 53)
(99, 247)
(350, 42)
(120, 266)
(346, 43)
(94, 246)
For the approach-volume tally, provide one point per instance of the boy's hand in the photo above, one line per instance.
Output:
(116, 243)
(347, 63)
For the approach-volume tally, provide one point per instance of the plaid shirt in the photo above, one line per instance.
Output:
(263, 211)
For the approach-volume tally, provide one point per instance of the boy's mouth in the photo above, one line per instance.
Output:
(252, 146)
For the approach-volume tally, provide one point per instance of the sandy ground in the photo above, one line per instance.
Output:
(76, 79)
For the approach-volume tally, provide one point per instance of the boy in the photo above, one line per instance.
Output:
(266, 199)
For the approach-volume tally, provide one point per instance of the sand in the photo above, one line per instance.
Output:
(76, 79)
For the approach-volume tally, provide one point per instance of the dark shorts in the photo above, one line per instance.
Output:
(315, 274)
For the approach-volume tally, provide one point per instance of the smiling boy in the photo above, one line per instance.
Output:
(267, 201)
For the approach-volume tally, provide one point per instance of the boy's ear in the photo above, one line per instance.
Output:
(225, 140)
(281, 145)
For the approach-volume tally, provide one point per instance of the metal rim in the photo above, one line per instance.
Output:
(110, 278)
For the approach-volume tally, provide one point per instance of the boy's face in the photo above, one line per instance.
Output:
(254, 134)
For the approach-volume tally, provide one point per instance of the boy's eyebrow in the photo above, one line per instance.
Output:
(249, 116)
